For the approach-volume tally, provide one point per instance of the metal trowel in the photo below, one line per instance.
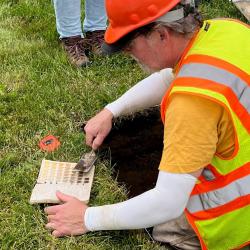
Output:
(87, 161)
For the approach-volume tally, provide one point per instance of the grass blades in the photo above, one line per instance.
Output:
(40, 94)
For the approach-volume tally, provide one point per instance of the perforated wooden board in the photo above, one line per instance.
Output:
(63, 177)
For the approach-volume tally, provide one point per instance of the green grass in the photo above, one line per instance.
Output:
(41, 93)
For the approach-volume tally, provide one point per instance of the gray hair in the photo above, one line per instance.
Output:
(191, 21)
(185, 25)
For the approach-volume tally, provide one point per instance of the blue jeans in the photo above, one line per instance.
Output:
(68, 17)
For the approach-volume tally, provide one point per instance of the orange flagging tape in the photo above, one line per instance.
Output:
(49, 143)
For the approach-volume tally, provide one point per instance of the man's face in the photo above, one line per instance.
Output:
(151, 51)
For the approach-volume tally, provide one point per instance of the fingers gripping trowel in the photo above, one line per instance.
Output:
(87, 161)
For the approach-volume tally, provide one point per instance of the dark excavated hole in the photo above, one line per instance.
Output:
(135, 143)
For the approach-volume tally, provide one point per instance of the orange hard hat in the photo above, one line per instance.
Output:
(126, 16)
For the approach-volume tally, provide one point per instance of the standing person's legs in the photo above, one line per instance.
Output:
(95, 15)
(68, 17)
(68, 24)
(94, 24)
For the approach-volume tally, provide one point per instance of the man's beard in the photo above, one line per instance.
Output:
(144, 67)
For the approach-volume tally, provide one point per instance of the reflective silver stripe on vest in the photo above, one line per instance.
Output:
(219, 196)
(208, 72)
(208, 175)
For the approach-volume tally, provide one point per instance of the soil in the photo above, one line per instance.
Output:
(135, 143)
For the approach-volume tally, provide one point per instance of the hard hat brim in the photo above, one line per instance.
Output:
(118, 46)
(109, 49)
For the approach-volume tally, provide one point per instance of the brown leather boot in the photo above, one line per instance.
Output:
(94, 40)
(75, 49)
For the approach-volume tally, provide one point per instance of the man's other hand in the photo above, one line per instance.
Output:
(67, 218)
(97, 128)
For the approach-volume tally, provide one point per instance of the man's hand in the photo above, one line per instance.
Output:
(67, 218)
(97, 128)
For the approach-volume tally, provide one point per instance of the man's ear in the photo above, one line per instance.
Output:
(164, 33)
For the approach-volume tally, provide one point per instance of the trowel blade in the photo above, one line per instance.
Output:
(86, 162)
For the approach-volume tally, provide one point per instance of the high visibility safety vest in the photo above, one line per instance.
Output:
(216, 66)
